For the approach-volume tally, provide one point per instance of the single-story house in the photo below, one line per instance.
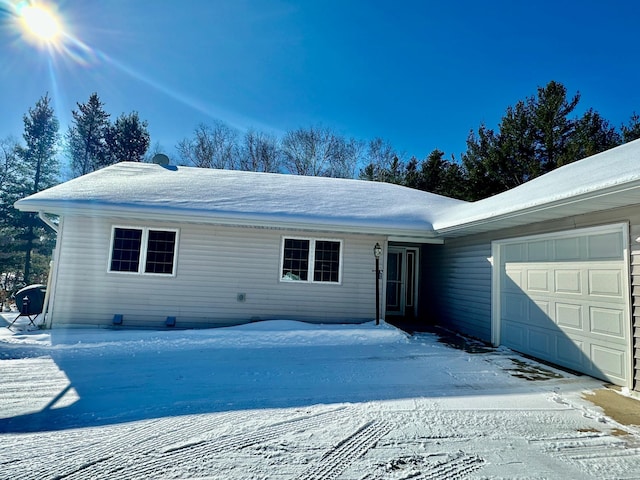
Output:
(550, 268)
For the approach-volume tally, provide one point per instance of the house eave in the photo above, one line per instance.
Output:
(343, 225)
(599, 200)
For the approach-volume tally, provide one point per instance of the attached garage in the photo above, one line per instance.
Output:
(564, 297)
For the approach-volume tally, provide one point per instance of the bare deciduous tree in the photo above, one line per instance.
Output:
(212, 146)
(8, 162)
(260, 153)
(383, 164)
(318, 151)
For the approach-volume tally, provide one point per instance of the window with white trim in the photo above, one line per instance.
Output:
(311, 260)
(143, 250)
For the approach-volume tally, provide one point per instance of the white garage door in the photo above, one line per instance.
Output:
(565, 298)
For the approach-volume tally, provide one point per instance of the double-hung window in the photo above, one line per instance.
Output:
(143, 250)
(311, 260)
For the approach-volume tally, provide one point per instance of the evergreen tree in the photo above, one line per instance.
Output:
(86, 138)
(481, 165)
(631, 131)
(593, 134)
(127, 140)
(453, 181)
(515, 157)
(9, 179)
(435, 175)
(39, 167)
(426, 175)
(552, 125)
(534, 137)
(10, 186)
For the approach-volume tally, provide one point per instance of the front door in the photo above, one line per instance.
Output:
(401, 281)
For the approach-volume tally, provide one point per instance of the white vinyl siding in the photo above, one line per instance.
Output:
(223, 276)
(635, 298)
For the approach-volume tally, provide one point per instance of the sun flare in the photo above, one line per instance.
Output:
(39, 23)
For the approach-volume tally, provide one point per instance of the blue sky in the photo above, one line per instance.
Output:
(420, 74)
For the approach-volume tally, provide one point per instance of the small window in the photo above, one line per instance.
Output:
(296, 259)
(135, 248)
(125, 256)
(327, 261)
(160, 251)
(298, 254)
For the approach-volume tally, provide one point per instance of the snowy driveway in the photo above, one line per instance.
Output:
(287, 400)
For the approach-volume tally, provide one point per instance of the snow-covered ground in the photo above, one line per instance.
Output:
(288, 400)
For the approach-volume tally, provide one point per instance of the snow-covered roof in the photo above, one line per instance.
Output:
(244, 198)
(607, 180)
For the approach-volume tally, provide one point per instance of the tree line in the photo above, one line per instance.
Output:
(536, 135)
(33, 165)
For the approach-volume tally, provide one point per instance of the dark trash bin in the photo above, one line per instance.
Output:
(35, 294)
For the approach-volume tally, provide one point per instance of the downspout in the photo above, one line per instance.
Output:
(47, 294)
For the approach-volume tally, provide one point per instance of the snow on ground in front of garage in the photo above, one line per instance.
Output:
(287, 400)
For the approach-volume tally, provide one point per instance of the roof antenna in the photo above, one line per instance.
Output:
(160, 159)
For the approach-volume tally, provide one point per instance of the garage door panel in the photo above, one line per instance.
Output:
(538, 313)
(569, 316)
(515, 252)
(512, 280)
(567, 249)
(538, 281)
(564, 298)
(568, 281)
(541, 342)
(540, 251)
(514, 306)
(605, 245)
(571, 353)
(606, 283)
(513, 334)
(608, 322)
(609, 361)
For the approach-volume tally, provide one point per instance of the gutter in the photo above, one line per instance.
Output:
(42, 216)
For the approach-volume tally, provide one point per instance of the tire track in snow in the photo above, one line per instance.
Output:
(57, 453)
(589, 452)
(454, 469)
(173, 429)
(178, 429)
(61, 453)
(128, 441)
(338, 459)
(67, 454)
(196, 456)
